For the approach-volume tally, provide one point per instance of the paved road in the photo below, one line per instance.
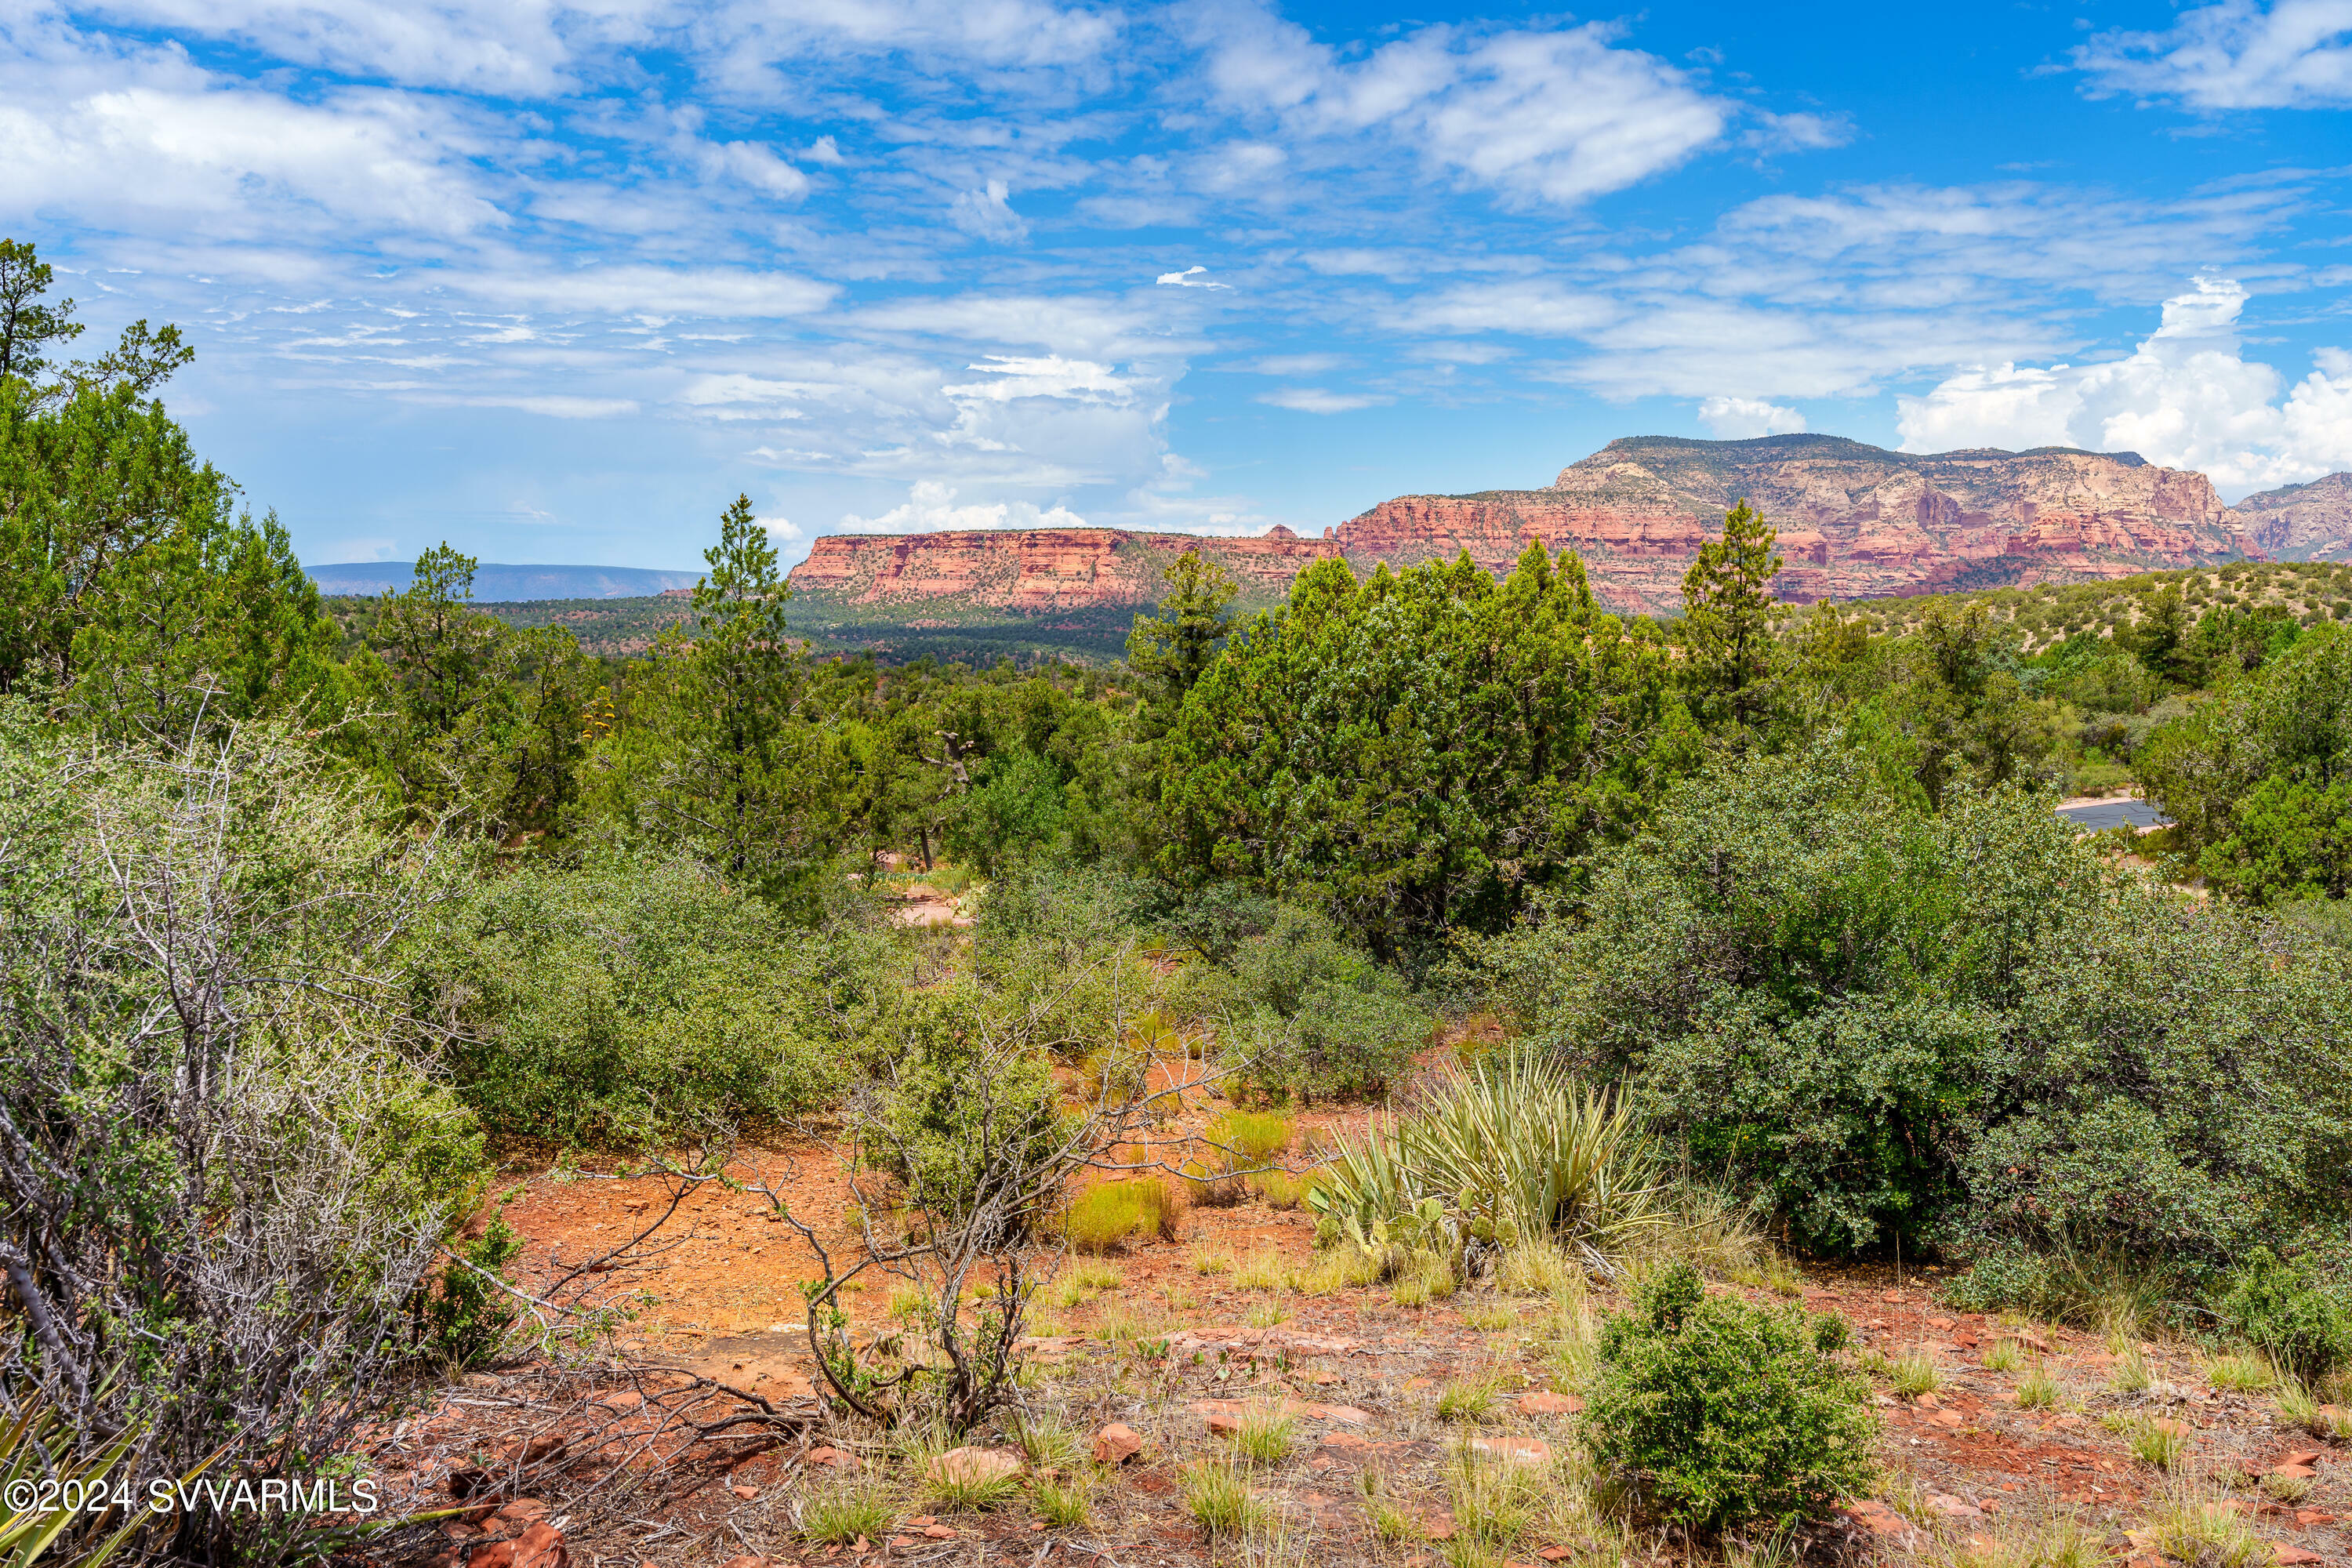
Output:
(2109, 814)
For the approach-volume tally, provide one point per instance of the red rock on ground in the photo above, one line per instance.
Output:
(541, 1546)
(972, 1467)
(1117, 1444)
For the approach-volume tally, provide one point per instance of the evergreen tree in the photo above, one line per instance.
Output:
(1727, 619)
(1170, 650)
(27, 326)
(746, 770)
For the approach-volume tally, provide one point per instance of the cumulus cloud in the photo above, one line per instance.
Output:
(1315, 400)
(2186, 397)
(1741, 419)
(986, 213)
(2295, 54)
(1551, 117)
(931, 506)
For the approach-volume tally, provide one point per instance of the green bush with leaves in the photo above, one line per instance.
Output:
(940, 1134)
(2303, 1323)
(2255, 777)
(1958, 1029)
(1724, 1414)
(1307, 1014)
(628, 1000)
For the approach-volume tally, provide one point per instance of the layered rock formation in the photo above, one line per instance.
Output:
(1038, 570)
(2301, 522)
(1854, 521)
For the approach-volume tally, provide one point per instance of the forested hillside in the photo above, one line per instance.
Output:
(1728, 944)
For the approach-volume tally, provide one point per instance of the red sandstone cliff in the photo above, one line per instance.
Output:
(1854, 521)
(1039, 568)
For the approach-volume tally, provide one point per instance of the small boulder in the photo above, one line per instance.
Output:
(1117, 1444)
(1544, 1402)
(541, 1546)
(2284, 1555)
(972, 1467)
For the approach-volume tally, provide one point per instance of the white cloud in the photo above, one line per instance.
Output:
(738, 396)
(549, 405)
(1552, 117)
(1051, 376)
(2297, 54)
(1315, 400)
(514, 46)
(246, 164)
(1742, 419)
(2185, 397)
(759, 167)
(1534, 306)
(987, 214)
(681, 290)
(1189, 278)
(931, 506)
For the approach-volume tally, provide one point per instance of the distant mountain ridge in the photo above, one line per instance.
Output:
(498, 584)
(2300, 523)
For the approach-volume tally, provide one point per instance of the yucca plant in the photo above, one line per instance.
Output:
(27, 1454)
(1507, 1150)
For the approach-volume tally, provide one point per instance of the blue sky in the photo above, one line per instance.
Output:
(555, 282)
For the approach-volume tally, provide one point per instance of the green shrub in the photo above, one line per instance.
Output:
(466, 1316)
(1953, 1028)
(623, 1002)
(1307, 1014)
(1724, 1412)
(938, 1131)
(2304, 1326)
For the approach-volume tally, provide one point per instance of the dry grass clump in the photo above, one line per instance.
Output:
(1254, 1137)
(841, 1511)
(2060, 1540)
(1264, 1433)
(1064, 1504)
(1217, 1495)
(2238, 1373)
(1536, 1268)
(1264, 1270)
(2038, 1390)
(1109, 1213)
(1470, 1398)
(1424, 1277)
(2194, 1522)
(1913, 1374)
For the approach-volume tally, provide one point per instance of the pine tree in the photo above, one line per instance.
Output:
(1727, 618)
(1170, 651)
